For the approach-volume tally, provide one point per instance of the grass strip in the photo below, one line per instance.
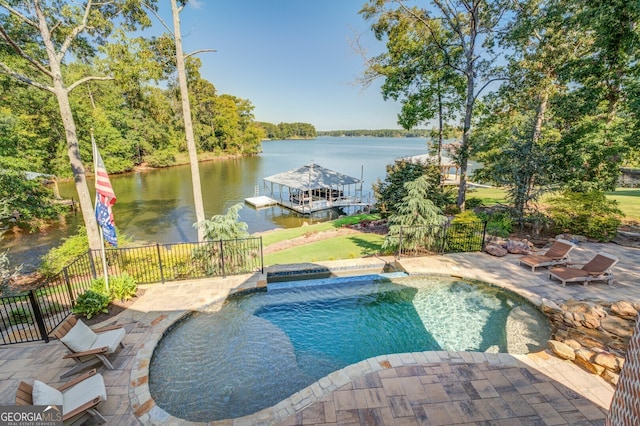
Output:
(343, 247)
(278, 235)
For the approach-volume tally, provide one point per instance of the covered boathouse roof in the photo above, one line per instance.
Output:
(311, 176)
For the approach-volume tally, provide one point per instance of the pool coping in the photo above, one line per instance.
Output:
(148, 412)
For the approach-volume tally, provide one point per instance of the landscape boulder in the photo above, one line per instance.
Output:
(624, 309)
(495, 250)
(518, 247)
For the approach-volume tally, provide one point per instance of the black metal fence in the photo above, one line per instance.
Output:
(34, 314)
(452, 237)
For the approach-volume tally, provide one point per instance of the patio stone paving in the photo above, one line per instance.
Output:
(426, 388)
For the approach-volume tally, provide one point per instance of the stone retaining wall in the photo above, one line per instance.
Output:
(594, 335)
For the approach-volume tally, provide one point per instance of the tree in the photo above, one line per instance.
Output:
(417, 217)
(517, 151)
(390, 193)
(597, 116)
(39, 37)
(226, 226)
(464, 36)
(186, 109)
(25, 202)
(414, 72)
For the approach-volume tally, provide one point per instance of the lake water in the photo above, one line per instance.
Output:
(157, 205)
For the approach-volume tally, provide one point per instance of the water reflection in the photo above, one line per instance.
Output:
(157, 205)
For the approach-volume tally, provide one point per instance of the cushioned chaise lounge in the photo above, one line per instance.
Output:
(558, 254)
(79, 397)
(597, 269)
(88, 347)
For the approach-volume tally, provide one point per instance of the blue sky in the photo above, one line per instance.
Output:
(292, 59)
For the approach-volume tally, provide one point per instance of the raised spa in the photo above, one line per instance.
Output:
(258, 349)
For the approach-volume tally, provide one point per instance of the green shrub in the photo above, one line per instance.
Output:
(538, 222)
(466, 216)
(20, 316)
(52, 308)
(30, 202)
(499, 224)
(452, 209)
(121, 288)
(161, 158)
(91, 303)
(464, 233)
(473, 202)
(59, 257)
(586, 213)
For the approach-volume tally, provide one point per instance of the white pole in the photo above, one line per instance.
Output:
(102, 250)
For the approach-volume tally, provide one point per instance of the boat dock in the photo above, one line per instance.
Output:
(260, 201)
(309, 189)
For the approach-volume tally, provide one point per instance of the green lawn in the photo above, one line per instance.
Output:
(343, 247)
(489, 196)
(628, 199)
(290, 233)
(355, 246)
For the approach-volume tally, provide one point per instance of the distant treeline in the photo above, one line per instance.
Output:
(288, 130)
(381, 133)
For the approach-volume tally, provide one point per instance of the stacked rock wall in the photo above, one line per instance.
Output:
(593, 335)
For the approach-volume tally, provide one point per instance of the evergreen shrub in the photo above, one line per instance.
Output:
(589, 214)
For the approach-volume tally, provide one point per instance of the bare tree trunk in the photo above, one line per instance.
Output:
(463, 155)
(440, 125)
(62, 96)
(540, 113)
(188, 125)
(79, 177)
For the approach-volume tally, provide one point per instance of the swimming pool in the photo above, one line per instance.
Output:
(257, 349)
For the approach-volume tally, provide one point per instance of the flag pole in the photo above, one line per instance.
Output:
(102, 249)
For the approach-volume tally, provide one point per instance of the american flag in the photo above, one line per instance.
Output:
(105, 198)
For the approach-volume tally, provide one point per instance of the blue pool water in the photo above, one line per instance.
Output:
(258, 349)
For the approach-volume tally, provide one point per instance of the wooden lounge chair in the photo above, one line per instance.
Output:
(88, 347)
(597, 269)
(558, 254)
(79, 397)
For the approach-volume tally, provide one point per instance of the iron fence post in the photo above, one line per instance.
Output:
(160, 263)
(222, 258)
(399, 254)
(261, 257)
(484, 234)
(65, 274)
(37, 313)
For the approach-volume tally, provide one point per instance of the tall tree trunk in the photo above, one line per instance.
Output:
(79, 176)
(73, 151)
(470, 73)
(541, 111)
(440, 125)
(463, 156)
(188, 126)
